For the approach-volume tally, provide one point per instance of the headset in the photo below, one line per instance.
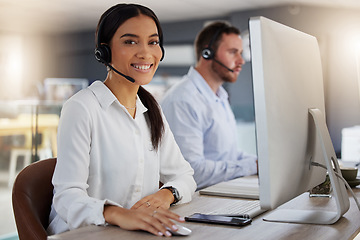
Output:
(208, 53)
(103, 52)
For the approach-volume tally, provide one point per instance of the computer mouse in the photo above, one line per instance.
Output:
(182, 231)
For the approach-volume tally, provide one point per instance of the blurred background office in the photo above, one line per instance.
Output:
(46, 55)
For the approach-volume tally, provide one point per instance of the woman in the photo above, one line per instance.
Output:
(114, 145)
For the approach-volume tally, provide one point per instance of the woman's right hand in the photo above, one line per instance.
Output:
(153, 221)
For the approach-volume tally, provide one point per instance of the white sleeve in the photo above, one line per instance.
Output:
(175, 171)
(71, 200)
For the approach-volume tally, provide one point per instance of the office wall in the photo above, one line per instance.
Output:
(24, 62)
(74, 56)
(71, 55)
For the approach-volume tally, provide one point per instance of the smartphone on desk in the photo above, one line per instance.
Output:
(218, 219)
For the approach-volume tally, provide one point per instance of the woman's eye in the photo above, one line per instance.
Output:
(130, 42)
(154, 43)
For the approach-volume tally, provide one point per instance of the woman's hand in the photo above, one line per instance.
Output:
(161, 199)
(147, 219)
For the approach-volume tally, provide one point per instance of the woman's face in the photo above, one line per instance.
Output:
(135, 49)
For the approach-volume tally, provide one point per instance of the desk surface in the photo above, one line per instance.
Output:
(346, 228)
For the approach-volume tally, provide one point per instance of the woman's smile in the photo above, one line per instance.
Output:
(141, 67)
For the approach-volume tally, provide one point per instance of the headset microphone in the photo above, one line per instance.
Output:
(102, 54)
(223, 65)
(125, 76)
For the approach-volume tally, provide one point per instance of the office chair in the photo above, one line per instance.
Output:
(32, 197)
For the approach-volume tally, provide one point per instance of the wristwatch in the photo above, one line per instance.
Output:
(175, 193)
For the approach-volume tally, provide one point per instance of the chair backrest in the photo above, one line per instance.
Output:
(32, 198)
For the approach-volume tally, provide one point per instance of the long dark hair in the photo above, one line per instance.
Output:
(110, 21)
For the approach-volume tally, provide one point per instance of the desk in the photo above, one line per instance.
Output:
(30, 122)
(29, 118)
(22, 125)
(346, 228)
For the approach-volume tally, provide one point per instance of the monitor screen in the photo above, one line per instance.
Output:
(61, 89)
(287, 83)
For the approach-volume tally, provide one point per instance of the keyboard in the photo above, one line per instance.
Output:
(239, 207)
(242, 187)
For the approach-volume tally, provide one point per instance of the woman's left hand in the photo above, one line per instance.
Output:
(161, 199)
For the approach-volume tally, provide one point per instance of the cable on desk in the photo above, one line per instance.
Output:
(316, 164)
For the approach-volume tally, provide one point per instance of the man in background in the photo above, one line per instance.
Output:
(199, 113)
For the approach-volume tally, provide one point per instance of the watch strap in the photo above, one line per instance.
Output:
(175, 193)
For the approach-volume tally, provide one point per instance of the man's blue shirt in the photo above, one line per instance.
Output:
(205, 129)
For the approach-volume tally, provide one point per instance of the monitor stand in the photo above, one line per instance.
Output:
(340, 194)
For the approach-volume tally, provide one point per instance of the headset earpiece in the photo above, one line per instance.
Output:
(207, 53)
(103, 53)
(162, 50)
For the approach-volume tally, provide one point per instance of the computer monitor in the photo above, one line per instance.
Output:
(61, 89)
(290, 123)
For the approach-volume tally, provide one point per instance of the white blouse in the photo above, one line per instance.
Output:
(106, 157)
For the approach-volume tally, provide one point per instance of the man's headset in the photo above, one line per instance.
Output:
(208, 53)
(103, 52)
